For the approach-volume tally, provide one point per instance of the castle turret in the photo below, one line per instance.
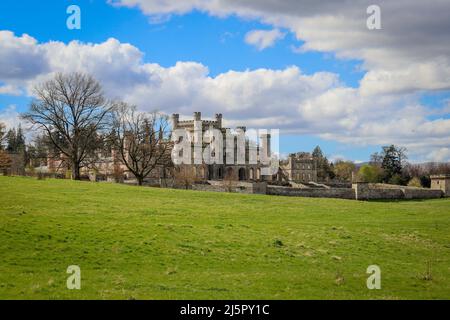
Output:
(175, 120)
(197, 116)
(219, 120)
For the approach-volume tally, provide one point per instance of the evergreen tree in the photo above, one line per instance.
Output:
(392, 164)
(15, 140)
(324, 170)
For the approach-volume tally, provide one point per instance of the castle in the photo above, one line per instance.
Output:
(299, 167)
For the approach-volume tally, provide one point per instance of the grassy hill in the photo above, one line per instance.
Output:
(148, 243)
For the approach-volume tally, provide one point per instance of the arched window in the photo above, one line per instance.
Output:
(242, 174)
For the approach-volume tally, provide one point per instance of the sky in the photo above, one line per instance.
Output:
(312, 69)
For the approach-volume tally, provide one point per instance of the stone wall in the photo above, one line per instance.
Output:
(360, 191)
(239, 187)
(373, 191)
(342, 193)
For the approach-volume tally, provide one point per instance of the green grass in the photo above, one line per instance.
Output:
(149, 243)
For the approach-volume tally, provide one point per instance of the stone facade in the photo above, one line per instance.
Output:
(299, 168)
(240, 172)
(340, 193)
(379, 191)
(441, 182)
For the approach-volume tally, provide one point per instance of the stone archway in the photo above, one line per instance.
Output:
(242, 175)
(252, 174)
(229, 174)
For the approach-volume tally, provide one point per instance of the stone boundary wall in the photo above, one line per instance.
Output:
(238, 187)
(370, 191)
(341, 193)
(359, 191)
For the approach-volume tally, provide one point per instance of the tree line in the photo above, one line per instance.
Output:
(78, 124)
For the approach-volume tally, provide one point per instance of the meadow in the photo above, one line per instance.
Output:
(151, 243)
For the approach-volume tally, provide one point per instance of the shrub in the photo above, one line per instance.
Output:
(414, 182)
(369, 173)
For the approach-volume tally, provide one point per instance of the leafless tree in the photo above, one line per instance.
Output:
(141, 139)
(2, 134)
(71, 109)
(5, 160)
(230, 181)
(185, 176)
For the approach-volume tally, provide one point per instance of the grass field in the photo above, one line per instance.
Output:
(148, 243)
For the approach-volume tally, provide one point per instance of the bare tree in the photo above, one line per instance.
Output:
(5, 160)
(230, 181)
(142, 140)
(71, 109)
(185, 176)
(2, 134)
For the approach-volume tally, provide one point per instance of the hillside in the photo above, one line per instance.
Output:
(149, 243)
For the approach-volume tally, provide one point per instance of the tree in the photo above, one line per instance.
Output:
(376, 159)
(15, 140)
(344, 170)
(142, 140)
(38, 151)
(393, 161)
(71, 109)
(323, 166)
(230, 181)
(369, 173)
(185, 175)
(2, 134)
(5, 162)
(415, 182)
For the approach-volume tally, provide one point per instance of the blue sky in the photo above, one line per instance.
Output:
(216, 42)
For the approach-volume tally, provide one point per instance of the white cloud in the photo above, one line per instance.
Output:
(440, 155)
(10, 90)
(288, 99)
(263, 39)
(410, 53)
(10, 117)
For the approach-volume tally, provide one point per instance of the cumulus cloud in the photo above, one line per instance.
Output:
(10, 117)
(412, 44)
(263, 39)
(10, 90)
(287, 98)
